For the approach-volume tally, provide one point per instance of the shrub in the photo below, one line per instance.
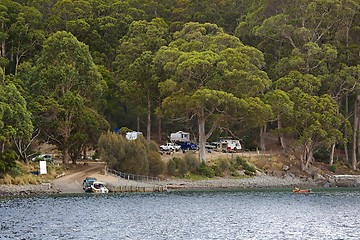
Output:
(322, 154)
(130, 156)
(224, 165)
(7, 162)
(191, 161)
(218, 171)
(171, 167)
(156, 165)
(205, 170)
(248, 169)
(333, 168)
(182, 167)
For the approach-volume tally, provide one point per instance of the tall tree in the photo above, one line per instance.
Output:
(135, 67)
(204, 66)
(26, 36)
(15, 119)
(66, 80)
(282, 107)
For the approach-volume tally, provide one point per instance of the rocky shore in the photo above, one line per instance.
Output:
(24, 190)
(240, 183)
(257, 182)
(178, 184)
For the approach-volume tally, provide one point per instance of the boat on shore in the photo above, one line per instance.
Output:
(98, 187)
(298, 190)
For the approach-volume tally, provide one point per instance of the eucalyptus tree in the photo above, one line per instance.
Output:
(135, 68)
(69, 15)
(26, 35)
(225, 14)
(15, 119)
(109, 22)
(65, 82)
(307, 27)
(315, 120)
(212, 75)
(8, 13)
(350, 77)
(89, 125)
(282, 107)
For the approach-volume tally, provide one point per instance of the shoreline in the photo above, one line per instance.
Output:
(257, 182)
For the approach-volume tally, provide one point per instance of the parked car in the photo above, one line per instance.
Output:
(170, 147)
(87, 183)
(44, 157)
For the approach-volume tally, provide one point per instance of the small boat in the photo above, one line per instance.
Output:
(99, 187)
(298, 190)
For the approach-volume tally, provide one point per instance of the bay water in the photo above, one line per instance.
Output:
(236, 214)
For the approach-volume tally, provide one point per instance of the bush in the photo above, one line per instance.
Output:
(224, 165)
(333, 168)
(218, 171)
(130, 156)
(171, 167)
(248, 169)
(191, 161)
(7, 162)
(156, 165)
(182, 168)
(322, 154)
(205, 170)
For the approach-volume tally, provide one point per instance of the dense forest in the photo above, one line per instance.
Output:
(73, 69)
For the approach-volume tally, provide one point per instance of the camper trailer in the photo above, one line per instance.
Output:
(229, 145)
(180, 136)
(133, 135)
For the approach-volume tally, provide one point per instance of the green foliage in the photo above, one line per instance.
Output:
(8, 162)
(224, 165)
(191, 161)
(186, 53)
(219, 172)
(172, 166)
(205, 170)
(156, 165)
(333, 168)
(129, 156)
(322, 154)
(182, 167)
(243, 164)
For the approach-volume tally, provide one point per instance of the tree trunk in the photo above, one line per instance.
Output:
(148, 127)
(2, 48)
(138, 123)
(307, 155)
(66, 156)
(262, 138)
(332, 154)
(282, 139)
(202, 135)
(346, 129)
(355, 133)
(159, 123)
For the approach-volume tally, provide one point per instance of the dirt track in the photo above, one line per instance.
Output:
(72, 182)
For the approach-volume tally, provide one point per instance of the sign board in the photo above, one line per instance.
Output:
(43, 167)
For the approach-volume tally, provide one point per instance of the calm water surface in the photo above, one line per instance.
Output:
(184, 215)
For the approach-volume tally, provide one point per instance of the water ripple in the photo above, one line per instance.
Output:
(183, 215)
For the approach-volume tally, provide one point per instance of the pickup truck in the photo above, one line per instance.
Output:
(170, 147)
(188, 146)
